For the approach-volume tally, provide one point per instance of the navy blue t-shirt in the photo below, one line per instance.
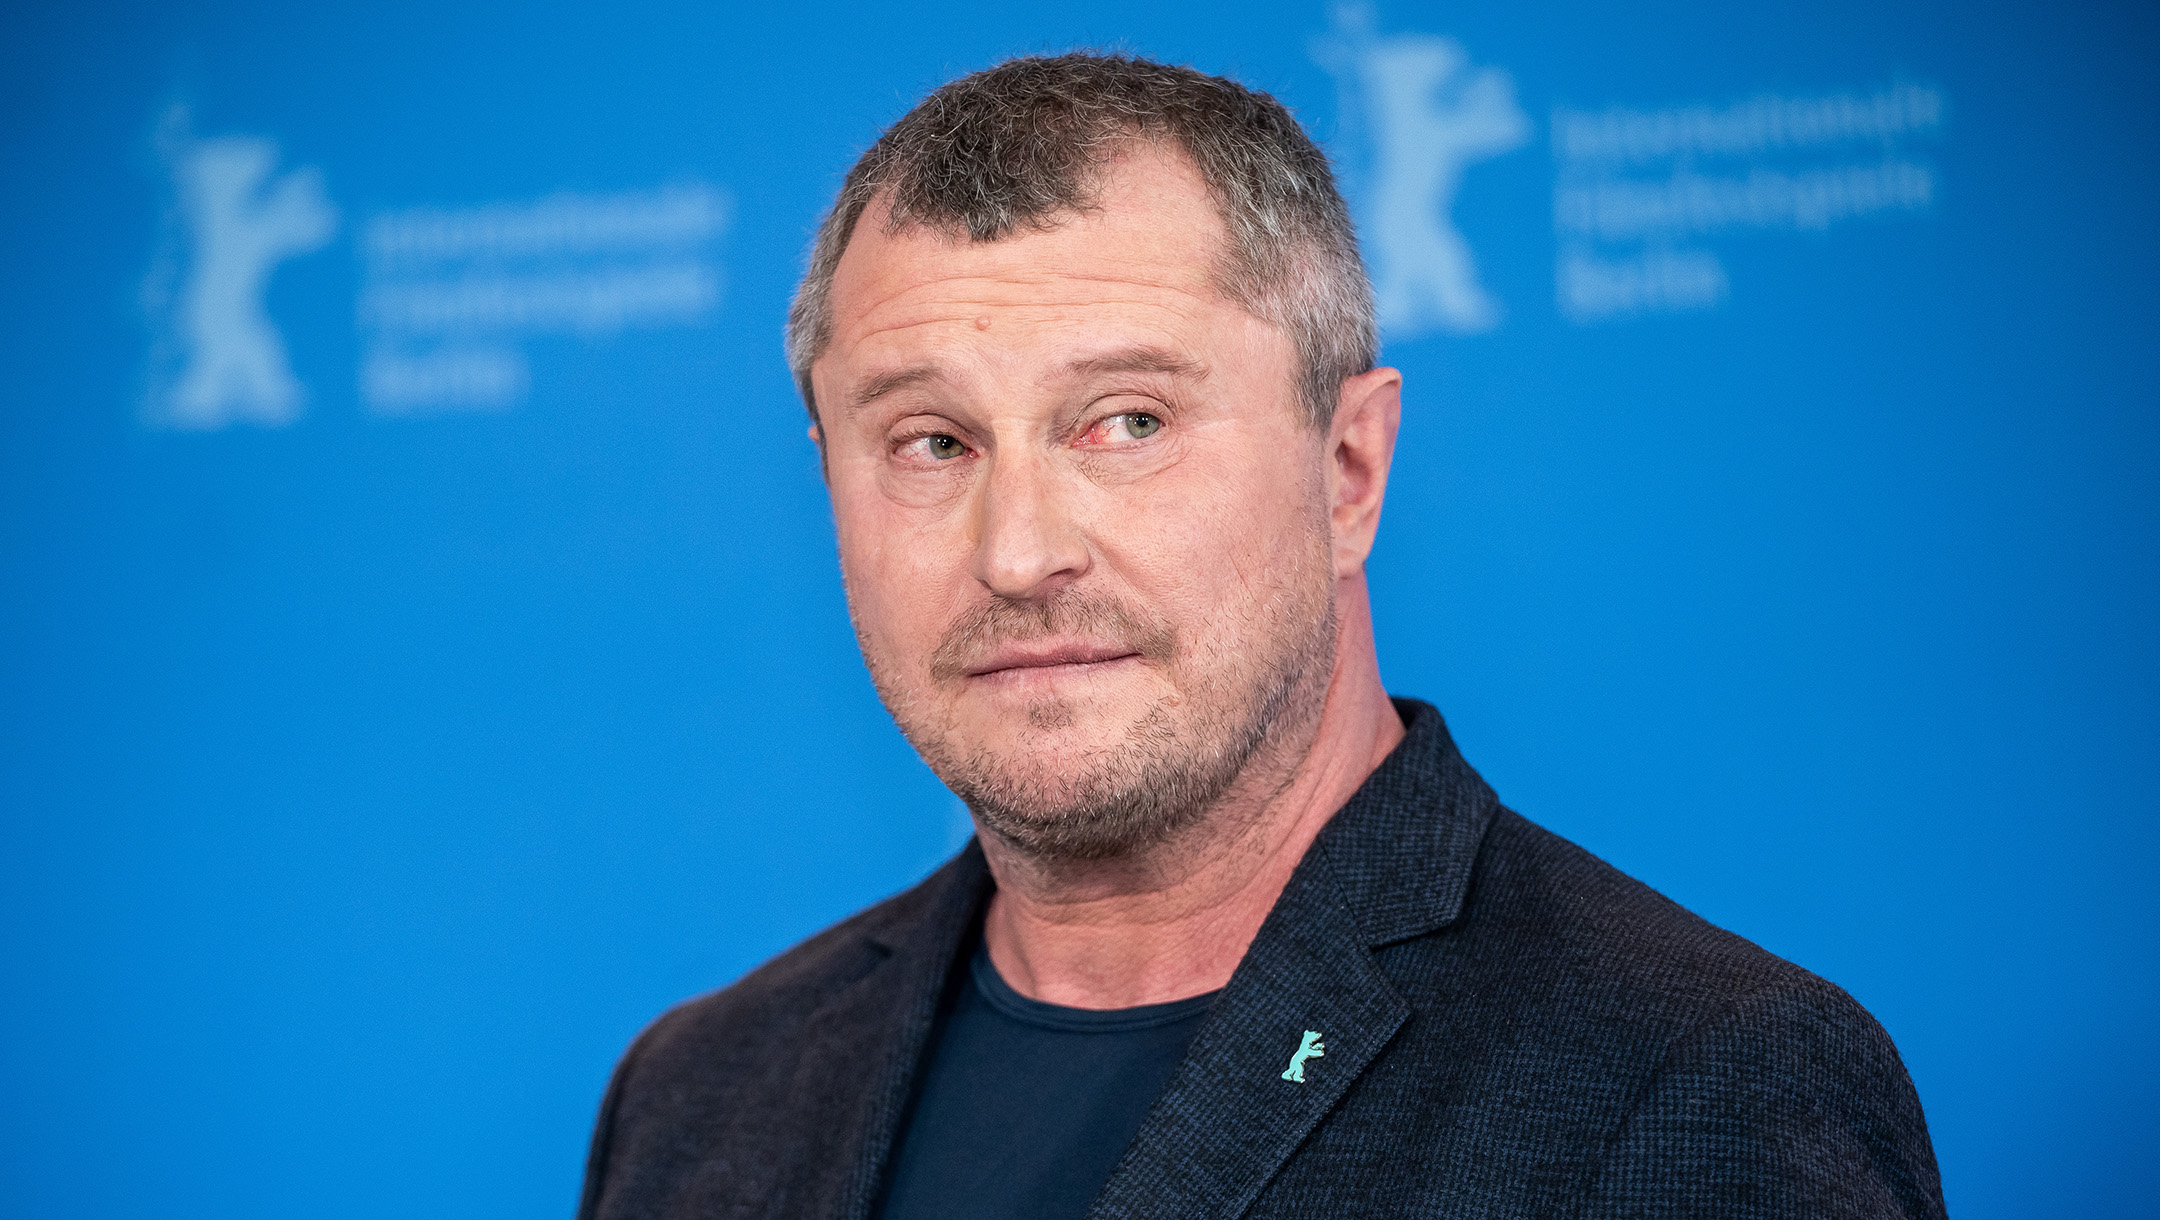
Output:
(1025, 1107)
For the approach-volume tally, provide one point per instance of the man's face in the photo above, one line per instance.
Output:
(1082, 520)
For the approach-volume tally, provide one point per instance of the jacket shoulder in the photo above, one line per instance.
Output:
(691, 1107)
(772, 999)
(1693, 1054)
(1552, 899)
(1561, 960)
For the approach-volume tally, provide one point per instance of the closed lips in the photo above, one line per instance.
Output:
(1039, 656)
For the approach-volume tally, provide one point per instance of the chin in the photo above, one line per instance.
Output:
(1067, 777)
(1051, 725)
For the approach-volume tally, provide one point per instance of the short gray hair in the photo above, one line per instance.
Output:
(1024, 143)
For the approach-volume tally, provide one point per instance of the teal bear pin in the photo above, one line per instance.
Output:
(1310, 1047)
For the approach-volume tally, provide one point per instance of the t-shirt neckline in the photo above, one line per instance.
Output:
(1000, 995)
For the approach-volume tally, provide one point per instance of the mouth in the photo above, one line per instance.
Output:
(1049, 658)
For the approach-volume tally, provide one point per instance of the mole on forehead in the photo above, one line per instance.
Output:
(1030, 285)
(902, 320)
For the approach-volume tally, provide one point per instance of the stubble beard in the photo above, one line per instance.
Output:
(1175, 763)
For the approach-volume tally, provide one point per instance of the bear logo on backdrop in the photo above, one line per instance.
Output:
(223, 361)
(449, 296)
(1431, 115)
(1637, 192)
(452, 298)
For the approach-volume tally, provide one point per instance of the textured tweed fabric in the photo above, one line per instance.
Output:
(1511, 1027)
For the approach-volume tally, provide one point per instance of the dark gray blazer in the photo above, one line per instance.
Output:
(1511, 1028)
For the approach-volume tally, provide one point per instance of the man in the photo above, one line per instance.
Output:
(1091, 365)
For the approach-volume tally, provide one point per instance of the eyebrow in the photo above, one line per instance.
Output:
(1142, 359)
(885, 383)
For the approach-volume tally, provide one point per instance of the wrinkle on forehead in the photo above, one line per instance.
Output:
(1027, 293)
(1162, 315)
(1129, 358)
(1140, 270)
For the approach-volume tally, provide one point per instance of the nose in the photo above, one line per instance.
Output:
(1027, 542)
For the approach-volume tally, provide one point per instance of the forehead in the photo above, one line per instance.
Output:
(1144, 258)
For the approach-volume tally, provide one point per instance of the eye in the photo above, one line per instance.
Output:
(936, 446)
(1129, 426)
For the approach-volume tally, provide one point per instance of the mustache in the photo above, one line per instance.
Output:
(1004, 620)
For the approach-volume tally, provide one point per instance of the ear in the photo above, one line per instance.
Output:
(1360, 447)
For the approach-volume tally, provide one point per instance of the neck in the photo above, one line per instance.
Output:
(1174, 922)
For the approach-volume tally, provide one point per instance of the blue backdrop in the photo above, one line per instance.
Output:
(421, 657)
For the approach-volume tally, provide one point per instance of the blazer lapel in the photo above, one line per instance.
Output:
(862, 1048)
(1229, 1117)
(1394, 863)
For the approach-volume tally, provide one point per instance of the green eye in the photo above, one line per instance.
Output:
(1140, 424)
(945, 448)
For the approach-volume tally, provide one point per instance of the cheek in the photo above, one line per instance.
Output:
(1223, 532)
(898, 571)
